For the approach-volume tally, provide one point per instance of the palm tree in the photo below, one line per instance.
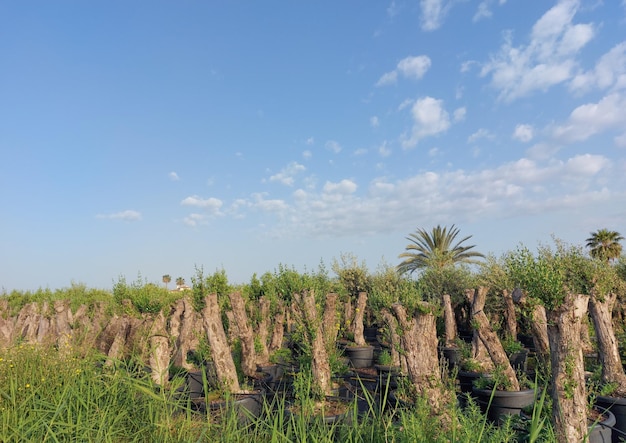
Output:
(605, 245)
(436, 249)
(180, 281)
(166, 279)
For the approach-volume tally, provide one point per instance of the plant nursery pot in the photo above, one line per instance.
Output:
(360, 356)
(617, 406)
(195, 383)
(503, 402)
(603, 431)
(518, 360)
(466, 380)
(452, 355)
(275, 372)
(334, 410)
(247, 405)
(388, 376)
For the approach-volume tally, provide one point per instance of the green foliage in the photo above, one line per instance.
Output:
(77, 294)
(384, 358)
(436, 249)
(145, 297)
(434, 282)
(353, 276)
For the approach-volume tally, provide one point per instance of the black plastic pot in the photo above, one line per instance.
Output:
(452, 355)
(602, 431)
(360, 356)
(518, 360)
(501, 403)
(617, 406)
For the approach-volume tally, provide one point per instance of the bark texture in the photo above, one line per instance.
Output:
(569, 399)
(489, 338)
(397, 359)
(449, 321)
(538, 321)
(262, 331)
(509, 314)
(601, 310)
(419, 345)
(220, 349)
(246, 336)
(330, 322)
(312, 322)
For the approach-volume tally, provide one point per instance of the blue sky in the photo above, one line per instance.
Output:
(156, 137)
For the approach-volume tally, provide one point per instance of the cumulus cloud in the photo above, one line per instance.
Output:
(173, 176)
(384, 150)
(609, 72)
(547, 60)
(593, 118)
(210, 204)
(128, 215)
(374, 123)
(482, 11)
(523, 133)
(482, 133)
(413, 67)
(287, 175)
(429, 118)
(433, 12)
(345, 186)
(333, 146)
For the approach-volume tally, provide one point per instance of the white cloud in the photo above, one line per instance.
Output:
(173, 176)
(128, 215)
(620, 140)
(593, 118)
(483, 11)
(374, 123)
(211, 204)
(482, 133)
(389, 78)
(307, 154)
(547, 60)
(433, 13)
(287, 175)
(384, 150)
(333, 146)
(345, 186)
(359, 152)
(429, 118)
(523, 133)
(413, 67)
(310, 141)
(459, 114)
(609, 72)
(194, 219)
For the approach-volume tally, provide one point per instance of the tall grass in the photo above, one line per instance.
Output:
(58, 395)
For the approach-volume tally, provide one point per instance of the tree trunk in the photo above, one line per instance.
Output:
(330, 323)
(392, 324)
(320, 365)
(278, 330)
(449, 322)
(510, 315)
(220, 350)
(359, 338)
(569, 399)
(601, 310)
(537, 318)
(489, 337)
(263, 355)
(419, 344)
(248, 353)
(479, 352)
(159, 358)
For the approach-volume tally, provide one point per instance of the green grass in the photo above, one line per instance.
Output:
(60, 396)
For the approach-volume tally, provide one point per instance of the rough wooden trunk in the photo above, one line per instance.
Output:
(184, 325)
(509, 314)
(278, 330)
(220, 350)
(330, 322)
(537, 318)
(262, 332)
(246, 336)
(320, 365)
(159, 358)
(359, 312)
(420, 346)
(479, 352)
(392, 325)
(601, 309)
(449, 321)
(569, 399)
(489, 338)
